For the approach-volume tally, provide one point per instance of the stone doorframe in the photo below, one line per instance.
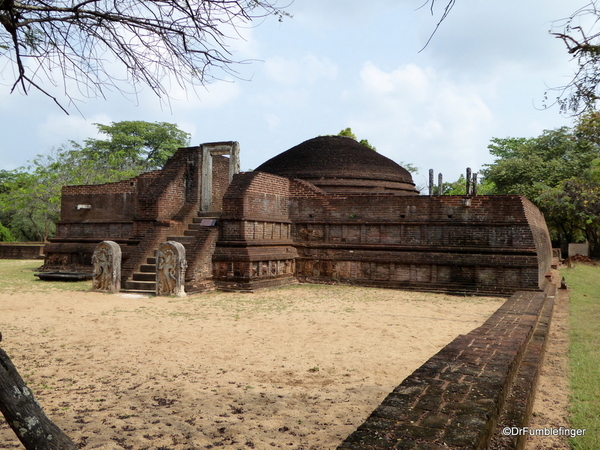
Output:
(232, 149)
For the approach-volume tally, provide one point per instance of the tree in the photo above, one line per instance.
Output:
(560, 172)
(528, 166)
(30, 197)
(459, 187)
(583, 43)
(347, 132)
(5, 234)
(81, 41)
(25, 415)
(135, 145)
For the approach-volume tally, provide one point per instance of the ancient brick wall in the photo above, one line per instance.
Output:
(199, 255)
(257, 195)
(254, 248)
(541, 237)
(220, 166)
(176, 185)
(138, 213)
(482, 244)
(450, 243)
(112, 202)
(464, 395)
(21, 250)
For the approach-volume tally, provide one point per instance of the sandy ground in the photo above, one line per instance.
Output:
(293, 368)
(550, 409)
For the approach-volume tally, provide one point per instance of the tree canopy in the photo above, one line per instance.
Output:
(347, 132)
(30, 196)
(135, 145)
(560, 172)
(78, 44)
(459, 187)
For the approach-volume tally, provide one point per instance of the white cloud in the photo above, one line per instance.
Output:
(415, 115)
(273, 121)
(59, 128)
(187, 99)
(409, 80)
(306, 70)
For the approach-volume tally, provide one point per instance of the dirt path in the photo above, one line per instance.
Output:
(294, 368)
(552, 397)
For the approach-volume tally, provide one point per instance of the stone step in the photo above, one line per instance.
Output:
(138, 291)
(151, 261)
(144, 276)
(181, 239)
(148, 286)
(148, 268)
(209, 214)
(190, 232)
(198, 220)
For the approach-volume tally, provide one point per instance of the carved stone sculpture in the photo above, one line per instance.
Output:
(170, 269)
(107, 267)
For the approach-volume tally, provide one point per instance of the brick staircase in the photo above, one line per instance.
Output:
(143, 281)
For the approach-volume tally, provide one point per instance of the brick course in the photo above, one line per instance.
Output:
(483, 244)
(396, 239)
(464, 395)
(138, 213)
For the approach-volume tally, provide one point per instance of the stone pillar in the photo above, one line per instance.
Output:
(206, 180)
(208, 151)
(440, 184)
(170, 269)
(234, 160)
(468, 180)
(430, 181)
(107, 267)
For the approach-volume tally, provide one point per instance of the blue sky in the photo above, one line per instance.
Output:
(348, 63)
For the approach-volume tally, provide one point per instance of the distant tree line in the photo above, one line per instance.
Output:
(30, 196)
(559, 171)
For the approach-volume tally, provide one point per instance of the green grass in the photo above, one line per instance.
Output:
(584, 354)
(18, 276)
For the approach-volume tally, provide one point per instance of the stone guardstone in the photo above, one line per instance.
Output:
(170, 269)
(107, 267)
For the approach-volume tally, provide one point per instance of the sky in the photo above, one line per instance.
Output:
(347, 63)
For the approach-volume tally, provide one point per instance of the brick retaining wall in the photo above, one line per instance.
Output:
(33, 250)
(458, 398)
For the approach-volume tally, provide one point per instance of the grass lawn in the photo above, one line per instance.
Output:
(584, 354)
(17, 276)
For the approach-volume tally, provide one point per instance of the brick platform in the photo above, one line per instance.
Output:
(463, 396)
(327, 211)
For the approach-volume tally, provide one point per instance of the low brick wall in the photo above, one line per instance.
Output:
(463, 396)
(25, 250)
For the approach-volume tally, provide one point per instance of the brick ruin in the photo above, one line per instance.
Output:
(141, 213)
(327, 210)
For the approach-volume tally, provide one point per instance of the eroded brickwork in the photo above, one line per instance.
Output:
(255, 249)
(276, 229)
(138, 214)
(481, 244)
(464, 395)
